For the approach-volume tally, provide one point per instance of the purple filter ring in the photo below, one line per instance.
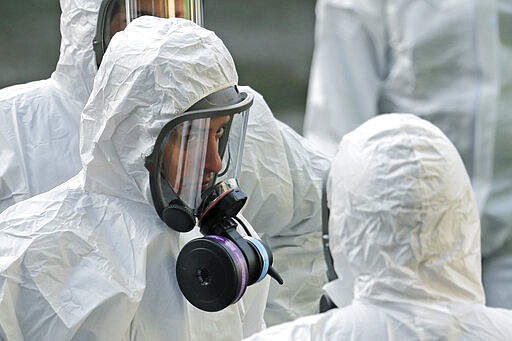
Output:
(238, 259)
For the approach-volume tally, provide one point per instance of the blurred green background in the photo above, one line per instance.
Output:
(271, 43)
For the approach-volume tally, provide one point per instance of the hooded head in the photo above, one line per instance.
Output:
(403, 213)
(152, 72)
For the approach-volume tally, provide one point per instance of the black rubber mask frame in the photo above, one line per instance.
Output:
(163, 195)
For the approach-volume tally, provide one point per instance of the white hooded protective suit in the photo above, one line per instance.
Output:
(497, 215)
(282, 174)
(404, 215)
(39, 121)
(434, 58)
(443, 61)
(91, 259)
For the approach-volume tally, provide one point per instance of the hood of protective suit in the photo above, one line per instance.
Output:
(122, 120)
(403, 214)
(282, 174)
(76, 67)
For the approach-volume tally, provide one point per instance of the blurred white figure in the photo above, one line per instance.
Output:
(497, 215)
(282, 174)
(450, 63)
(436, 59)
(404, 216)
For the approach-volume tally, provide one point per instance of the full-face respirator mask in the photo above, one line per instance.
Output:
(193, 171)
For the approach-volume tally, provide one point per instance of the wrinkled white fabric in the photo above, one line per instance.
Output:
(39, 128)
(497, 215)
(451, 63)
(39, 121)
(404, 215)
(437, 59)
(282, 174)
(91, 259)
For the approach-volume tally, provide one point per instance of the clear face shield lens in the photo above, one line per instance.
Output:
(194, 152)
(124, 11)
(186, 9)
(114, 15)
(201, 152)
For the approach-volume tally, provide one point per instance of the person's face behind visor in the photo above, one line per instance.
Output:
(195, 151)
(192, 156)
(199, 152)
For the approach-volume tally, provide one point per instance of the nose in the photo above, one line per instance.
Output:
(213, 162)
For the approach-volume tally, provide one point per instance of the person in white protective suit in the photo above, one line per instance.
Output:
(280, 172)
(100, 257)
(403, 213)
(497, 214)
(436, 59)
(443, 61)
(39, 121)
